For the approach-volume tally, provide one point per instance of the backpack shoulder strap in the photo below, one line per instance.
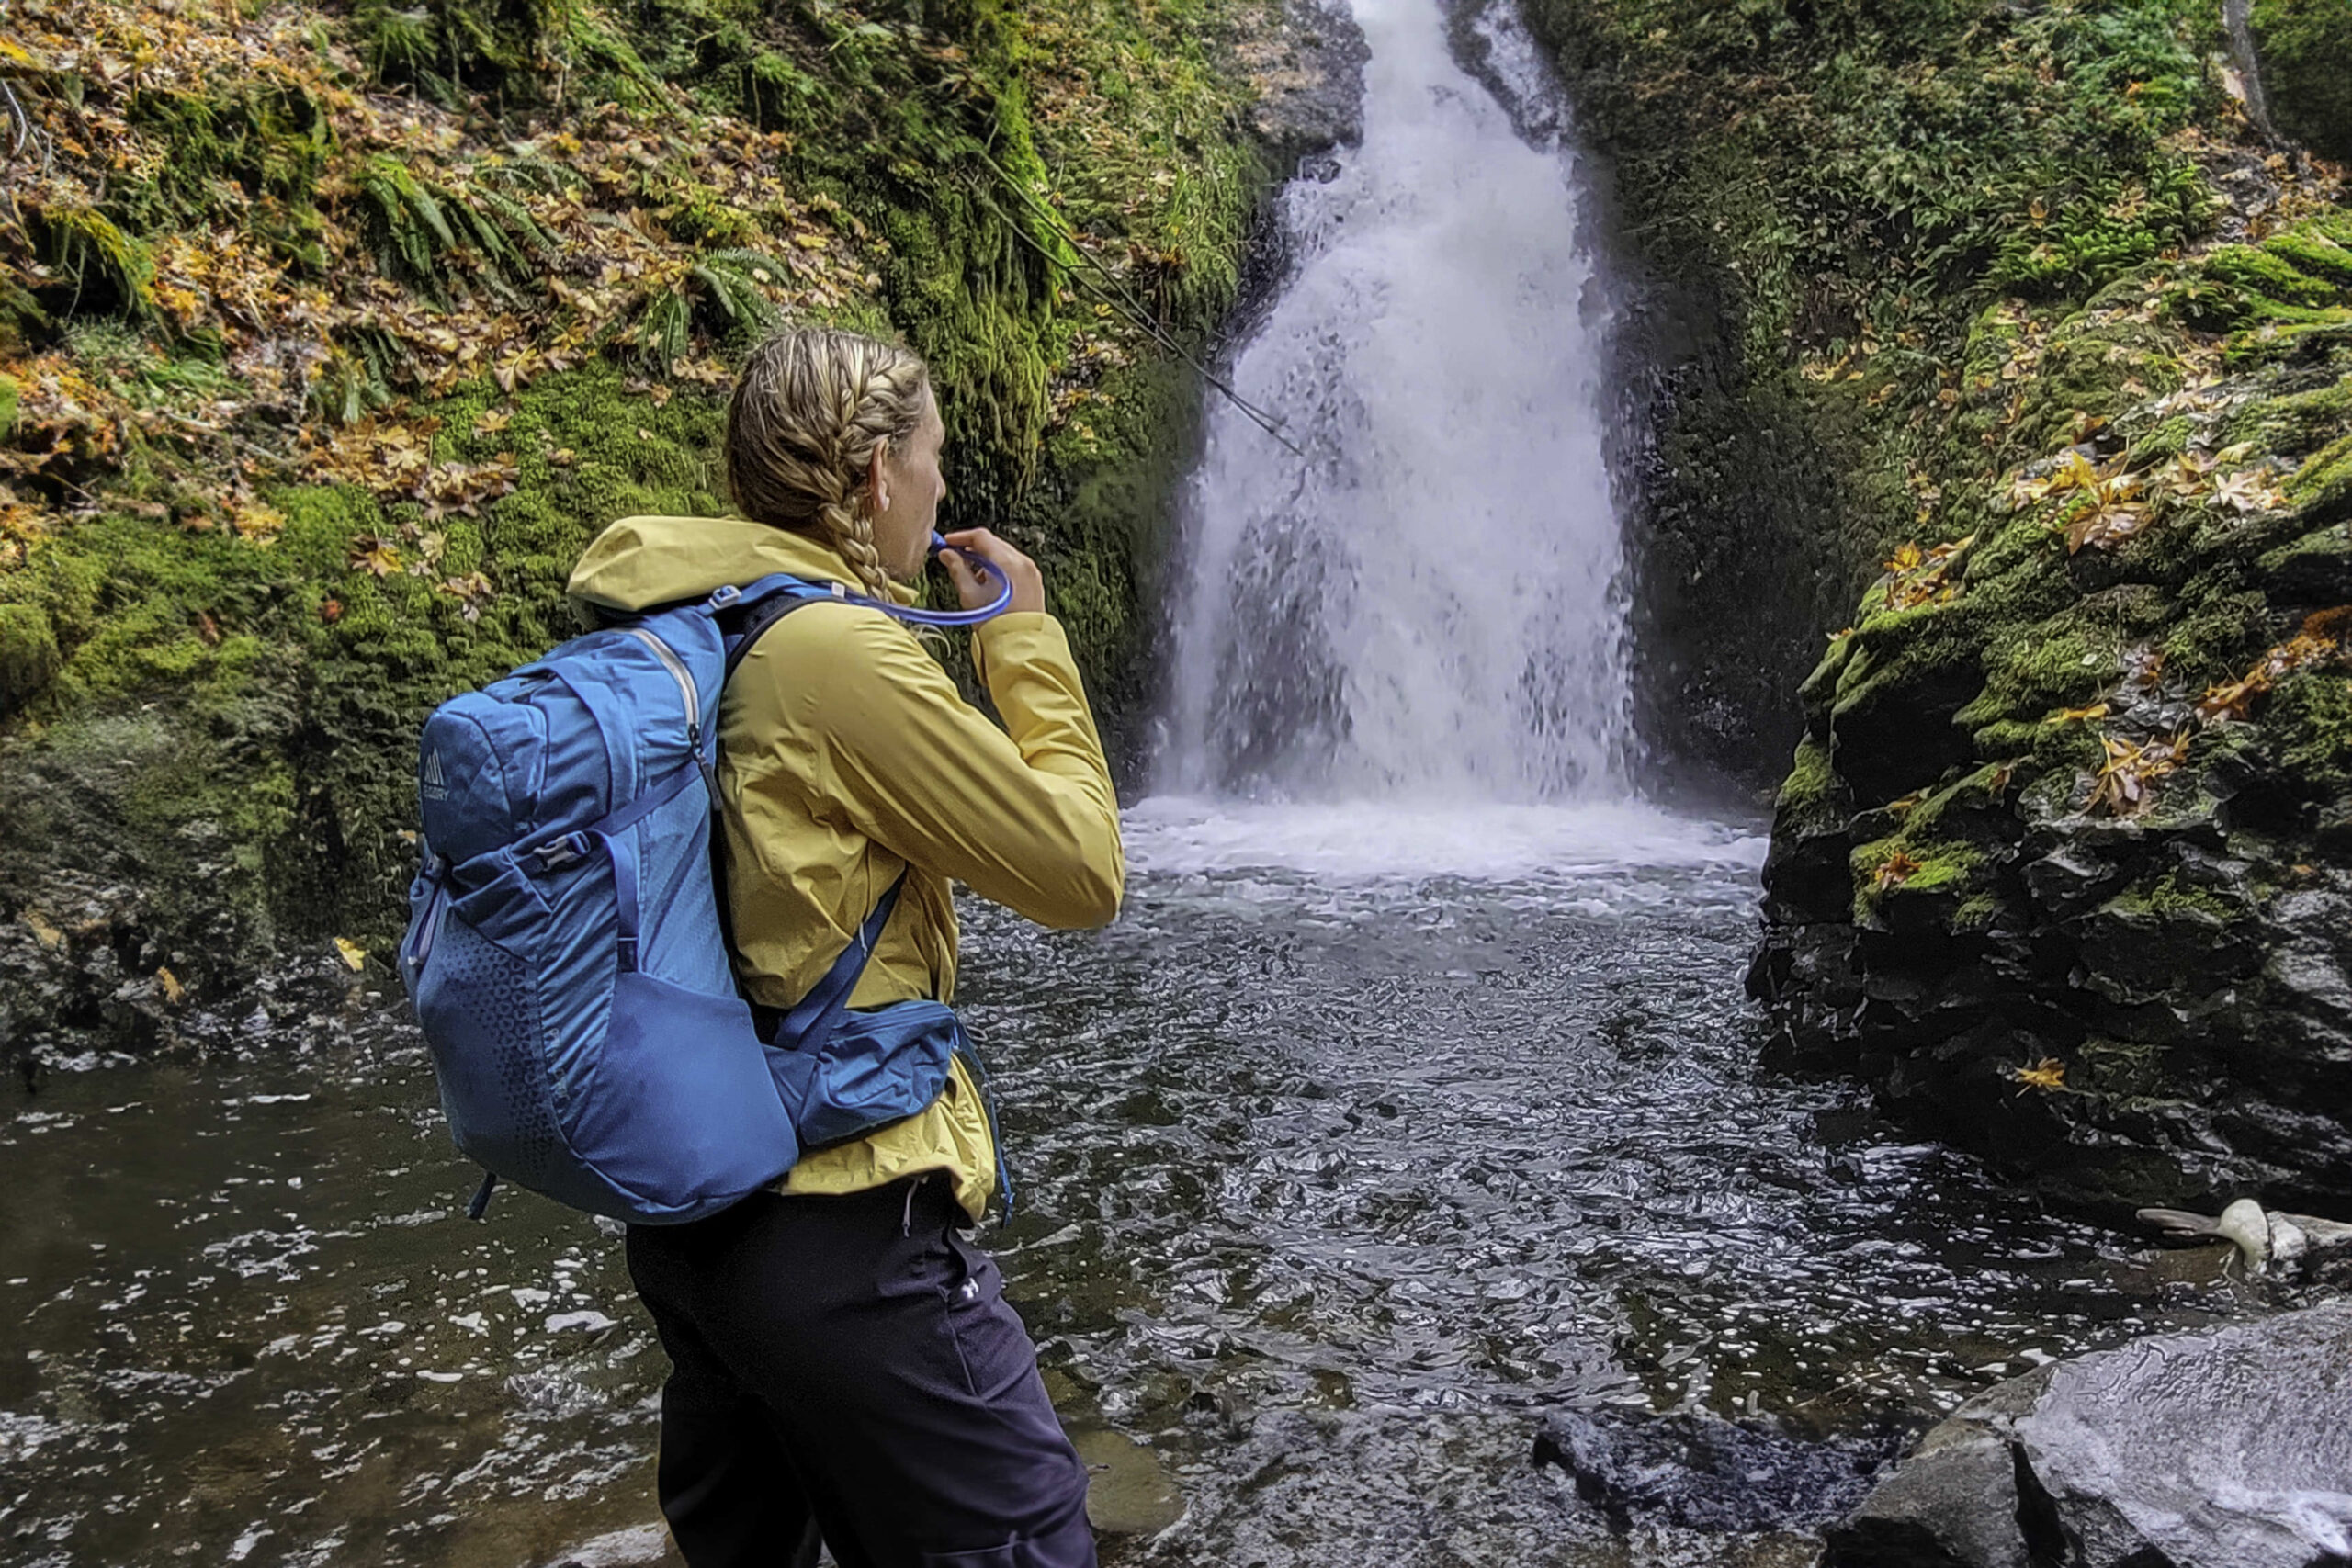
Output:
(811, 1020)
(745, 616)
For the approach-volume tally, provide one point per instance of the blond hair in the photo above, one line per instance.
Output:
(811, 409)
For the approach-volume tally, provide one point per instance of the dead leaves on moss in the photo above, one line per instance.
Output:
(1914, 577)
(1894, 872)
(2122, 787)
(2105, 503)
(545, 249)
(2320, 641)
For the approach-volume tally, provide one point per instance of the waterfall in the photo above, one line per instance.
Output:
(1427, 604)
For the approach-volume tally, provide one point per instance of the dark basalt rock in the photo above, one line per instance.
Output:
(1707, 1474)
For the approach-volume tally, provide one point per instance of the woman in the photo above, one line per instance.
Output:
(840, 1355)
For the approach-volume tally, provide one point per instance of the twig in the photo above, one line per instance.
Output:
(1125, 303)
(1256, 416)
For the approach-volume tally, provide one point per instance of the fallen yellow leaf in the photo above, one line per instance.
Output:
(2048, 1074)
(352, 954)
(173, 989)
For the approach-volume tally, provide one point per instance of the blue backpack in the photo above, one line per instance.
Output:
(567, 953)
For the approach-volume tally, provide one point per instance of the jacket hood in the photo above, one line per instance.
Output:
(642, 561)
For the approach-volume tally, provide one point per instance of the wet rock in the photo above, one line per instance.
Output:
(640, 1546)
(1704, 1473)
(2229, 1447)
(2287, 1251)
(2304, 53)
(1954, 1504)
(1308, 72)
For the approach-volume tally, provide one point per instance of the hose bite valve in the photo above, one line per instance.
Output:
(986, 612)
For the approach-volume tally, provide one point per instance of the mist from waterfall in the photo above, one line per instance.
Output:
(1428, 605)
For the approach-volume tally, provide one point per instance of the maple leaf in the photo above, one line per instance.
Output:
(1894, 872)
(169, 983)
(2246, 491)
(2131, 766)
(2047, 1074)
(2232, 700)
(2073, 471)
(492, 421)
(2078, 716)
(1907, 557)
(376, 556)
(256, 522)
(2105, 523)
(2188, 474)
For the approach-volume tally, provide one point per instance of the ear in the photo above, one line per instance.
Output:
(877, 489)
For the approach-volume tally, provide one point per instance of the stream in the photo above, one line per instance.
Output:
(1411, 1097)
(1332, 1182)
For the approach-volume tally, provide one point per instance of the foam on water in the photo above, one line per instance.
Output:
(1389, 841)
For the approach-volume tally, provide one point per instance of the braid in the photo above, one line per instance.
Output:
(812, 410)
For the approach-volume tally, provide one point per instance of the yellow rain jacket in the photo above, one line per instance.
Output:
(846, 754)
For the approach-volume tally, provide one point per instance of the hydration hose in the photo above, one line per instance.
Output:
(988, 612)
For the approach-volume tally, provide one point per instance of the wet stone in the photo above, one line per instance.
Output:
(1708, 1473)
(2228, 1447)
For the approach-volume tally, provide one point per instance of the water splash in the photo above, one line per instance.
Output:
(1427, 605)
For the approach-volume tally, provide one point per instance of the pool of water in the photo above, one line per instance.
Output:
(1339, 1166)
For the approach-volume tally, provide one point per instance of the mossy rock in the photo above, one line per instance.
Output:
(29, 656)
(2304, 49)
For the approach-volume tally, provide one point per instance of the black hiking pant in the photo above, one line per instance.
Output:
(850, 1363)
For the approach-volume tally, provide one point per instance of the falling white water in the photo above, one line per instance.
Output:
(1426, 606)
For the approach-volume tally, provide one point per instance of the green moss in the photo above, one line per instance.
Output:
(1942, 875)
(1812, 799)
(2311, 714)
(27, 654)
(2305, 48)
(2171, 898)
(98, 270)
(2266, 274)
(2219, 629)
(310, 695)
(2323, 486)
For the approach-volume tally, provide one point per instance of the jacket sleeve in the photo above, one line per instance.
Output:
(1027, 818)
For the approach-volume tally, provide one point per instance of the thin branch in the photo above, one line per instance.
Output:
(1256, 416)
(1124, 302)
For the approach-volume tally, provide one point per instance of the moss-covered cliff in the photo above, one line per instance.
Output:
(2004, 321)
(328, 335)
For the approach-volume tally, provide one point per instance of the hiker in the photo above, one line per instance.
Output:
(842, 1358)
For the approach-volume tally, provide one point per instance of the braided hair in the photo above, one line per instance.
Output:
(808, 415)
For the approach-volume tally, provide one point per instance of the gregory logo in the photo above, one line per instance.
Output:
(433, 787)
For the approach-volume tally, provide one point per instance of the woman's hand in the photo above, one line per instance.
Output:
(977, 590)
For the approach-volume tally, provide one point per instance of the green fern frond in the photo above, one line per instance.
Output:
(732, 280)
(108, 272)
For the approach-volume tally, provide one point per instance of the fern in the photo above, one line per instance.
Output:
(725, 291)
(106, 271)
(406, 227)
(732, 281)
